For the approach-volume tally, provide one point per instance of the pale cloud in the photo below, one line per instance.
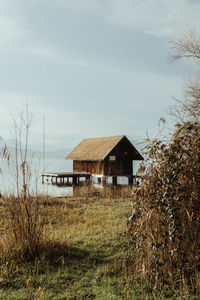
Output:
(11, 28)
(53, 54)
(99, 65)
(158, 17)
(10, 31)
(86, 5)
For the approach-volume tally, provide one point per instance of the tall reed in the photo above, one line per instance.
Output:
(24, 218)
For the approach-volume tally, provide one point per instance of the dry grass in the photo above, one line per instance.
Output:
(80, 256)
(108, 191)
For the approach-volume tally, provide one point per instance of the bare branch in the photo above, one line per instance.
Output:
(188, 46)
(187, 109)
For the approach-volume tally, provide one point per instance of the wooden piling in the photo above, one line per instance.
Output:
(130, 180)
(74, 180)
(114, 180)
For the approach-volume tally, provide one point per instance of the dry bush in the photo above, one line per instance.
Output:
(164, 230)
(24, 226)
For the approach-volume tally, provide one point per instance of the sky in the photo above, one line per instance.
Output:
(92, 67)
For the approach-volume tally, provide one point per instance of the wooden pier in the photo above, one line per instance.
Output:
(77, 179)
(66, 178)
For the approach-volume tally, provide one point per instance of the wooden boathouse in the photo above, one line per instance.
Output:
(105, 156)
(98, 157)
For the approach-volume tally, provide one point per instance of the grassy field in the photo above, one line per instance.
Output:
(86, 240)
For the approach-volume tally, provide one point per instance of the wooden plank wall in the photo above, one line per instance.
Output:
(92, 167)
(120, 167)
(108, 168)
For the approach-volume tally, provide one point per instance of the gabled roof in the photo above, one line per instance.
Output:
(97, 148)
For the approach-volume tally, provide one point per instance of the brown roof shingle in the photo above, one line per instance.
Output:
(95, 148)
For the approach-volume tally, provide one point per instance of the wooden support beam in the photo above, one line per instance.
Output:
(130, 180)
(74, 180)
(114, 180)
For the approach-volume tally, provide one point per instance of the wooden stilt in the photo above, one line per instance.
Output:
(130, 180)
(74, 180)
(114, 180)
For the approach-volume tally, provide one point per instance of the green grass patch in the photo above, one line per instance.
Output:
(86, 236)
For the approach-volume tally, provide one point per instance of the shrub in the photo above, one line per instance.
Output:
(164, 230)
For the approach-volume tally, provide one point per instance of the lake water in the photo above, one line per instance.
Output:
(8, 182)
(8, 178)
